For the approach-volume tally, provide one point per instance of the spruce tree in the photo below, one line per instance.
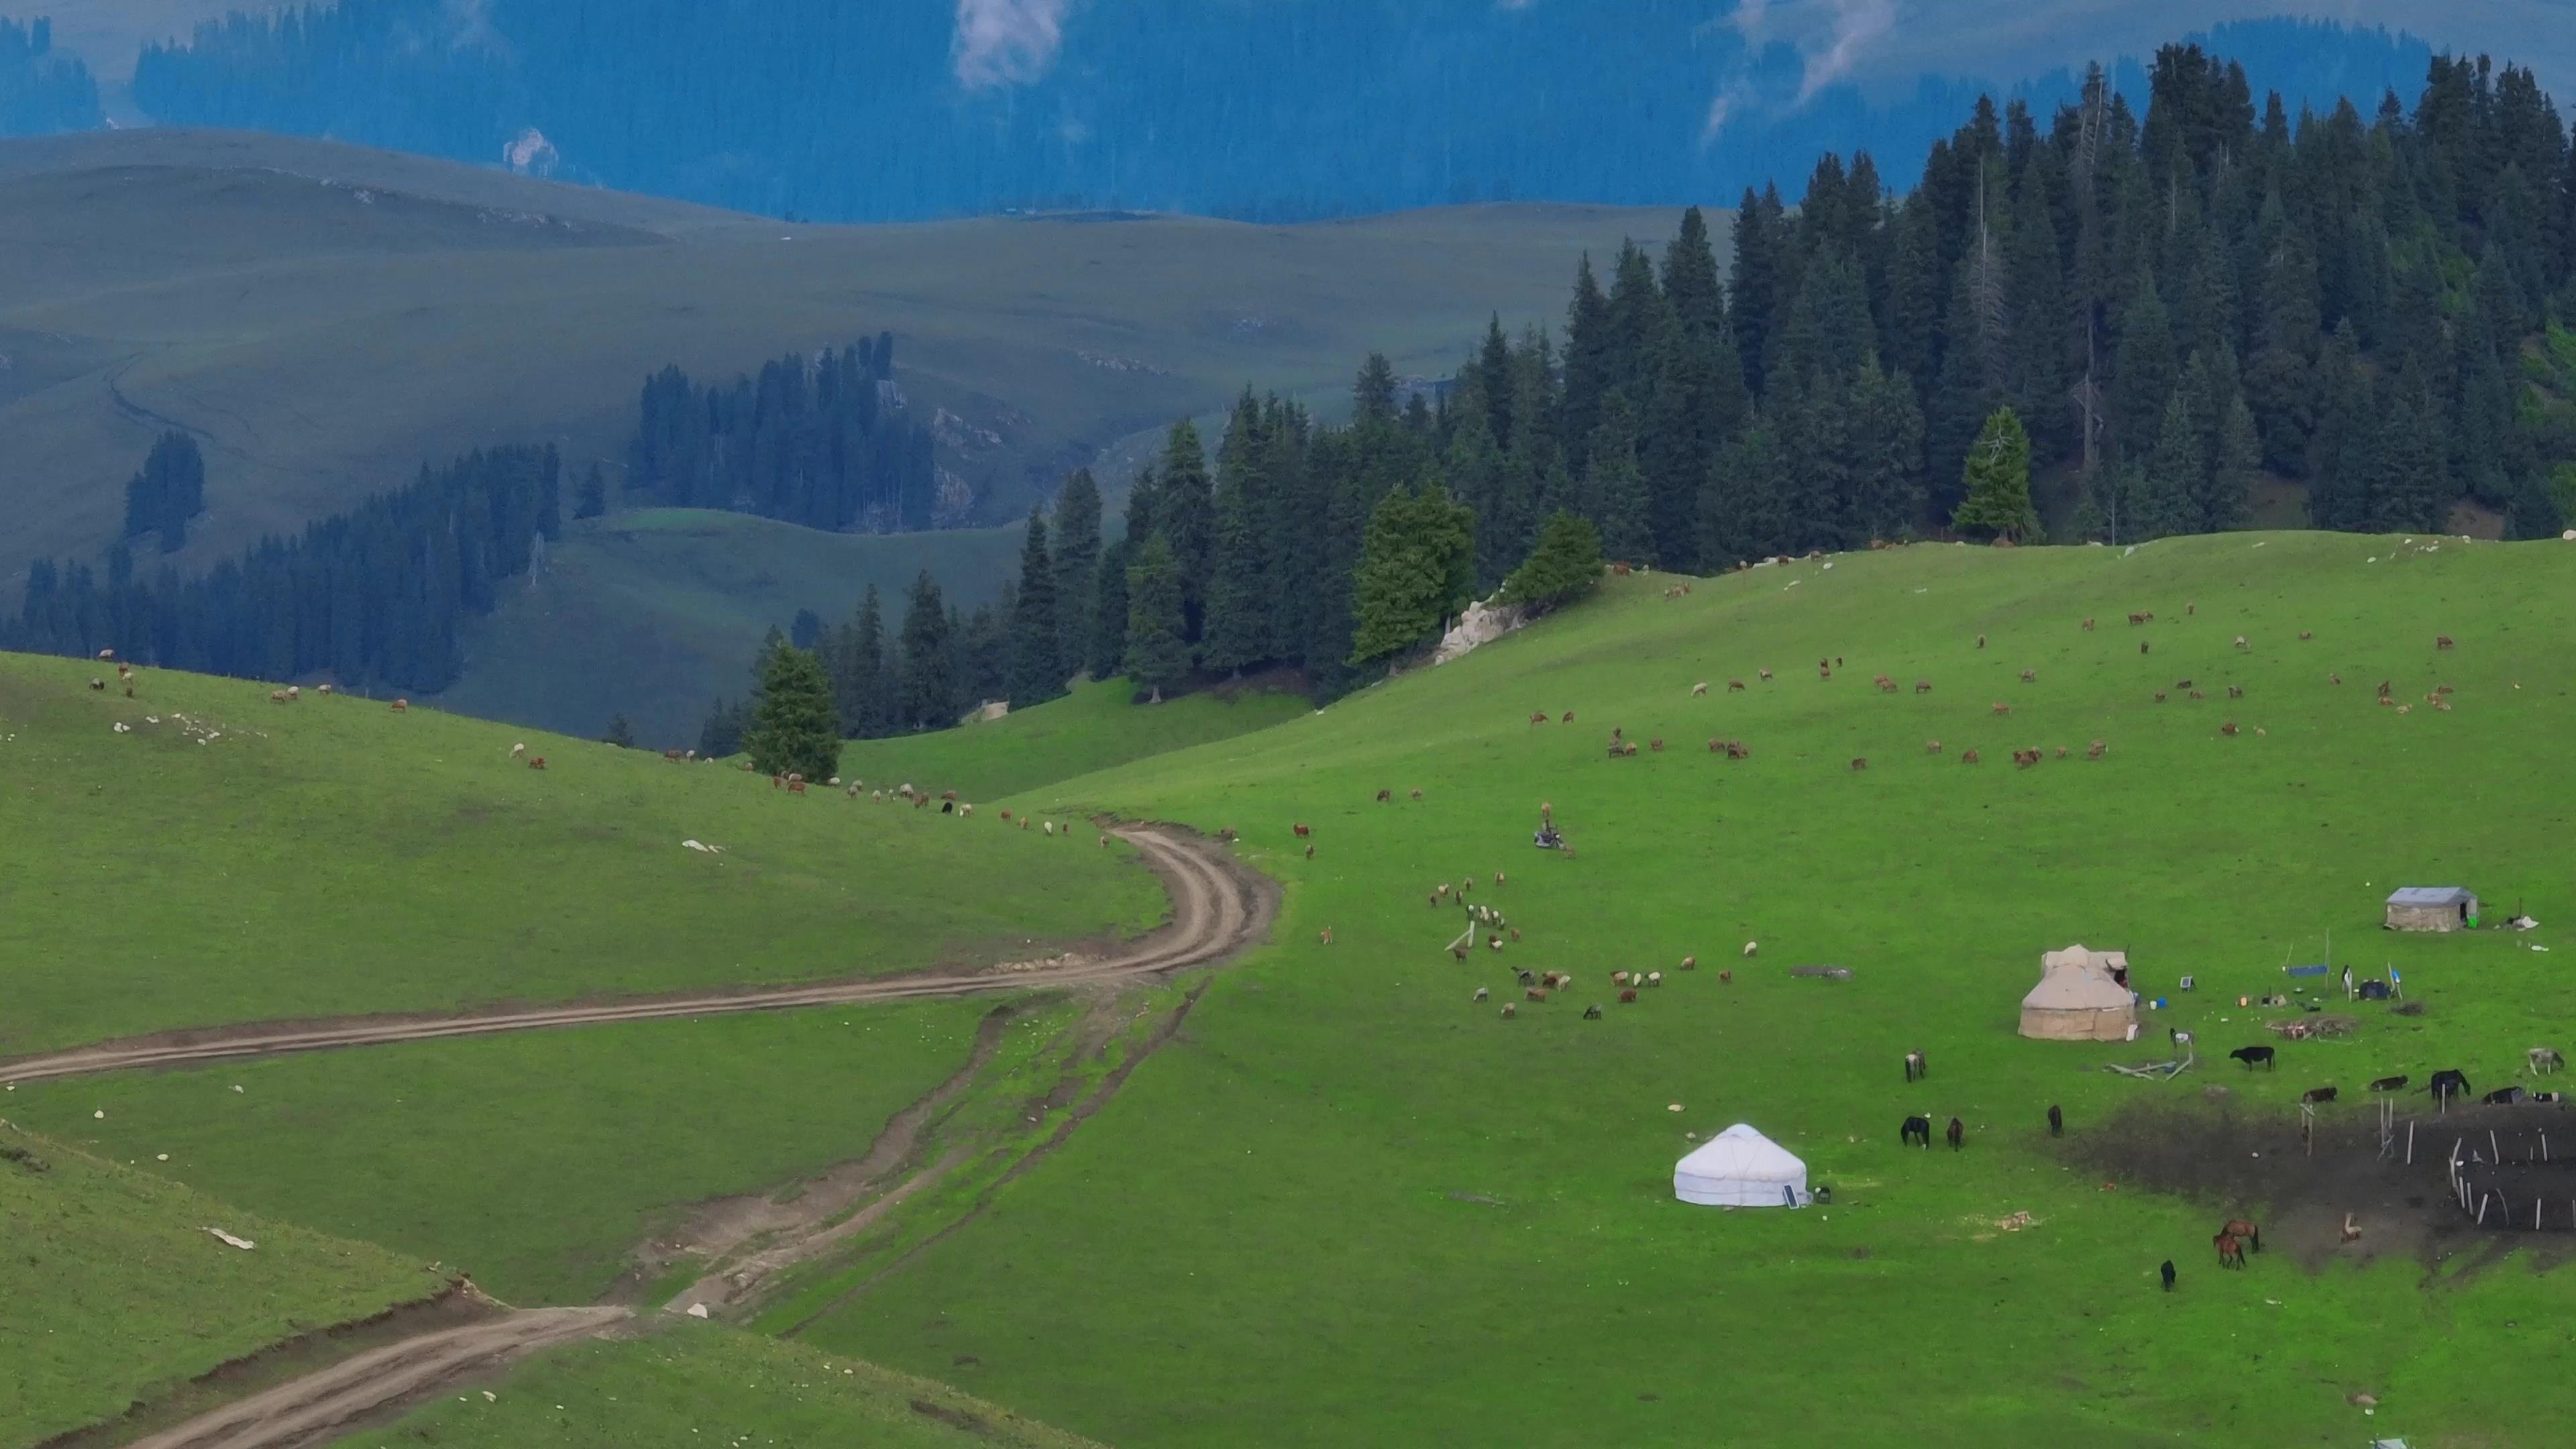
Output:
(1185, 515)
(794, 728)
(1158, 657)
(2143, 371)
(1997, 504)
(929, 695)
(1887, 448)
(861, 690)
(1076, 546)
(2236, 469)
(1615, 488)
(1743, 512)
(1416, 569)
(591, 500)
(1589, 367)
(1240, 594)
(619, 733)
(1565, 566)
(2171, 477)
(1036, 644)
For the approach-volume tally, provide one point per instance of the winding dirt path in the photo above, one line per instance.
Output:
(1218, 909)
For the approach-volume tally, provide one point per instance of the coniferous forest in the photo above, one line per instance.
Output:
(42, 90)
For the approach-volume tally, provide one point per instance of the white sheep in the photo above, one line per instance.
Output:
(1748, 948)
(518, 750)
(1048, 827)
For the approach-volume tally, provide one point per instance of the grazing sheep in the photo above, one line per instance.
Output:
(1618, 978)
(1592, 1012)
(1654, 978)
(1534, 993)
(1655, 745)
(518, 750)
(2029, 675)
(1417, 792)
(2140, 618)
(1385, 797)
(1699, 689)
(1569, 717)
(2405, 709)
(1515, 932)
(2235, 691)
(1104, 842)
(294, 693)
(1735, 686)
(538, 762)
(1048, 826)
(2061, 752)
(2305, 636)
(2002, 708)
(1483, 994)
(1310, 852)
(2160, 696)
(1884, 684)
(794, 787)
(400, 705)
(275, 696)
(2334, 679)
(2544, 1060)
(1691, 963)
(1628, 996)
(1923, 686)
(1859, 763)
(1824, 671)
(1511, 1009)
(1931, 747)
(1326, 935)
(107, 654)
(317, 689)
(2197, 695)
(1458, 951)
(1723, 977)
(2441, 641)
(2094, 751)
(1764, 675)
(2088, 626)
(2240, 641)
(1717, 747)
(1969, 757)
(1538, 717)
(1750, 947)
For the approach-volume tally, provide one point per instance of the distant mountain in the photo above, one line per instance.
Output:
(823, 110)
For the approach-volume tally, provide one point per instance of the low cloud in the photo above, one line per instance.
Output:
(1825, 41)
(1006, 42)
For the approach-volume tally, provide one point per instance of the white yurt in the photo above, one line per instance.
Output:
(1740, 1167)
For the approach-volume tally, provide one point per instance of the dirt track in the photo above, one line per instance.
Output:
(1218, 908)
(307, 1407)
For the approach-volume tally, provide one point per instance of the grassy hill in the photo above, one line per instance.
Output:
(117, 1292)
(1095, 727)
(1347, 1193)
(698, 1379)
(325, 318)
(226, 859)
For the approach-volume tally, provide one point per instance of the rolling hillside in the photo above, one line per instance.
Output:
(1351, 1185)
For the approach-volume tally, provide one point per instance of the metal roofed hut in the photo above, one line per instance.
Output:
(2078, 998)
(2432, 908)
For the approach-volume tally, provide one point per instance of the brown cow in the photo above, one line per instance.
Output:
(1628, 995)
(1859, 763)
(1968, 757)
(1301, 829)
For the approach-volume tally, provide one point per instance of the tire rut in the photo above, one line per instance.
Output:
(1219, 908)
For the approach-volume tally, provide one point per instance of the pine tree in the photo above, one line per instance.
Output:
(592, 499)
(929, 695)
(1157, 656)
(1743, 512)
(2170, 477)
(1590, 370)
(1240, 592)
(1373, 396)
(1564, 567)
(722, 733)
(1185, 515)
(1615, 489)
(2236, 469)
(794, 729)
(1998, 483)
(1077, 565)
(619, 733)
(2143, 371)
(1887, 447)
(861, 690)
(2036, 327)
(1416, 569)
(1036, 643)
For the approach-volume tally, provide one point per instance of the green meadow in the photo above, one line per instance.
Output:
(117, 1290)
(1346, 1193)
(227, 859)
(699, 1384)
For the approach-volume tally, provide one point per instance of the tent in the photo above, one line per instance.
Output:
(1740, 1167)
(2077, 999)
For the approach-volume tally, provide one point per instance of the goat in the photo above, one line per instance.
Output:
(1569, 717)
(1923, 686)
(2228, 728)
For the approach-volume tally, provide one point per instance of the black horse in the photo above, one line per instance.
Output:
(2056, 1122)
(2250, 1055)
(2169, 1275)
(2447, 1084)
(1916, 1129)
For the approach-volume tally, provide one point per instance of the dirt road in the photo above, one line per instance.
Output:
(305, 1408)
(1218, 909)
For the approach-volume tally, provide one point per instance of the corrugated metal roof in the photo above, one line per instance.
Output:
(2429, 896)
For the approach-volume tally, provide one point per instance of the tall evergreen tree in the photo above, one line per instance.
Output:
(1157, 656)
(619, 733)
(1416, 569)
(1185, 515)
(1036, 671)
(1590, 370)
(1997, 504)
(1240, 627)
(591, 500)
(861, 690)
(1887, 446)
(1615, 489)
(794, 727)
(929, 697)
(1077, 563)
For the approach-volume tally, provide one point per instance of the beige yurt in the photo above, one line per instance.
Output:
(2432, 908)
(2078, 999)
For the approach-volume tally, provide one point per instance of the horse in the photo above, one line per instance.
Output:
(1957, 1134)
(1916, 1129)
(2056, 1122)
(2448, 1084)
(1915, 1067)
(2245, 1231)
(2250, 1055)
(2231, 1254)
(2168, 1271)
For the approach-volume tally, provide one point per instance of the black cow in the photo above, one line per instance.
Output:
(2056, 1122)
(1916, 1129)
(2318, 1094)
(2503, 1096)
(2168, 1271)
(2447, 1084)
(2250, 1055)
(2388, 1084)
(1957, 1134)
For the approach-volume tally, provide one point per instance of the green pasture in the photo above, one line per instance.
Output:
(1346, 1194)
(696, 1383)
(240, 861)
(1091, 729)
(115, 1290)
(535, 1161)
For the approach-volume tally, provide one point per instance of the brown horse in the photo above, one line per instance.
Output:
(2239, 1228)
(2231, 1254)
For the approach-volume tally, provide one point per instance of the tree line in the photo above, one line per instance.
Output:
(1152, 104)
(375, 597)
(826, 442)
(42, 90)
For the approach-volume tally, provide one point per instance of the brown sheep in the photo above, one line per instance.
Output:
(1717, 747)
(2061, 752)
(1859, 763)
(1538, 717)
(1923, 686)
(2137, 618)
(1656, 745)
(2441, 641)
(1690, 963)
(1619, 568)
(1735, 686)
(275, 696)
(2029, 676)
(1627, 996)
(400, 705)
(2196, 694)
(1738, 750)
(1516, 933)
(2227, 728)
(1569, 717)
(2383, 689)
(2088, 626)
(1968, 757)
(1301, 828)
(1931, 747)
(536, 762)
(1534, 993)
(2002, 708)
(1618, 978)
(2095, 750)
(795, 787)
(1723, 977)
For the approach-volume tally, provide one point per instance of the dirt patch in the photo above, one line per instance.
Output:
(953, 1418)
(2253, 1164)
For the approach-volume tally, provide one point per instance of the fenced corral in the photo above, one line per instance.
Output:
(2514, 1176)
